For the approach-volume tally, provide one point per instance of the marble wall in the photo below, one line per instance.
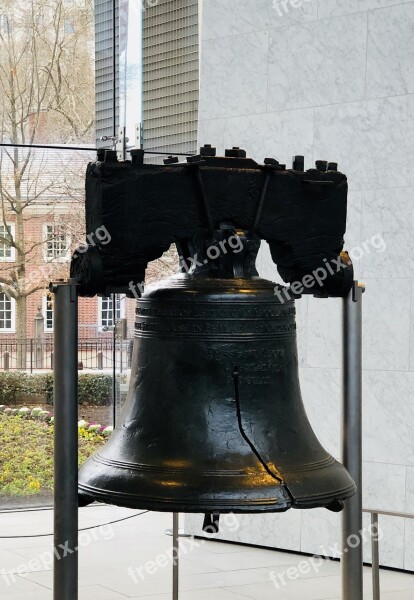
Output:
(334, 80)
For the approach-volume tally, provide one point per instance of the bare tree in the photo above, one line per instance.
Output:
(164, 267)
(47, 96)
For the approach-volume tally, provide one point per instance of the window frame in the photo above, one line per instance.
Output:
(55, 259)
(45, 310)
(12, 328)
(12, 257)
(4, 23)
(69, 27)
(121, 299)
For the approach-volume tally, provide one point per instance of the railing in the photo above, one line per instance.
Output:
(94, 353)
(376, 591)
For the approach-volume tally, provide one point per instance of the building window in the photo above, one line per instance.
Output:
(48, 312)
(7, 252)
(4, 24)
(7, 313)
(57, 243)
(106, 315)
(69, 27)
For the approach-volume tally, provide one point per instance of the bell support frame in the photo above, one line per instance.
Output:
(65, 400)
(352, 557)
(65, 502)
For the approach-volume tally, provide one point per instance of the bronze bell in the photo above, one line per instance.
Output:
(214, 420)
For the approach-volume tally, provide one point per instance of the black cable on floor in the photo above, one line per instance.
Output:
(17, 537)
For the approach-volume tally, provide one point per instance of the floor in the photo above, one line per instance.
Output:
(132, 559)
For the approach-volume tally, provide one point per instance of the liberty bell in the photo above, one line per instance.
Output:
(214, 420)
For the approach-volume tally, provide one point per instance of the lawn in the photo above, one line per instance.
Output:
(26, 455)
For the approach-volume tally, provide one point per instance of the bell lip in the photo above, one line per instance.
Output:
(324, 500)
(231, 506)
(93, 495)
(171, 505)
(278, 497)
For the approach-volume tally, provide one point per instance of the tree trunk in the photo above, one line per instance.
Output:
(21, 313)
(21, 299)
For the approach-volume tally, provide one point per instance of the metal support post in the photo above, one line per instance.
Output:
(114, 303)
(352, 558)
(375, 557)
(176, 553)
(65, 575)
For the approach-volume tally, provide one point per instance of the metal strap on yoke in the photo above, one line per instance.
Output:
(262, 199)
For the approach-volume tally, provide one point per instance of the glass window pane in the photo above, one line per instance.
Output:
(56, 107)
(106, 310)
(6, 238)
(6, 312)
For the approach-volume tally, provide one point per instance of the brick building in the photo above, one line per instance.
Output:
(52, 222)
(44, 213)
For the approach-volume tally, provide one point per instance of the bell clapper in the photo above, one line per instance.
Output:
(211, 523)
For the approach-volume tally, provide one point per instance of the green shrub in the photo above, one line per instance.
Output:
(11, 386)
(42, 383)
(94, 388)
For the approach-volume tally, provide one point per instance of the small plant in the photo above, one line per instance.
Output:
(107, 431)
(36, 412)
(94, 428)
(45, 415)
(24, 412)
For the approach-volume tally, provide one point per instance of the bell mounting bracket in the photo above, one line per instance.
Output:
(143, 209)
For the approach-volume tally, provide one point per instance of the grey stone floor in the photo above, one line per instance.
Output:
(132, 559)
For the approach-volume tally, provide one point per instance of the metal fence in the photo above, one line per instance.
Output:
(376, 592)
(94, 353)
